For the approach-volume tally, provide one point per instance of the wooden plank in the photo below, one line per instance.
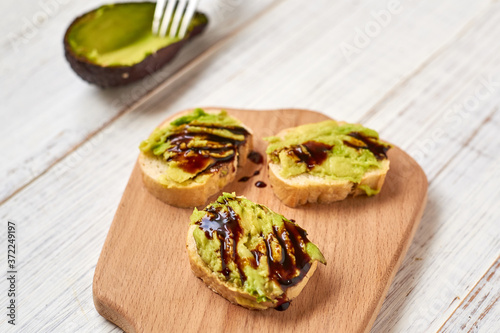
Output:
(459, 88)
(458, 238)
(65, 214)
(47, 110)
(444, 145)
(482, 302)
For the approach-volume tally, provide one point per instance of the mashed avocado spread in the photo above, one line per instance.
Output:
(328, 149)
(195, 144)
(252, 247)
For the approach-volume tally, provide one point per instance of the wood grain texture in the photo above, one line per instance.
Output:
(483, 301)
(452, 132)
(143, 280)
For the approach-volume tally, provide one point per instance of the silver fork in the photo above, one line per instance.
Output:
(164, 14)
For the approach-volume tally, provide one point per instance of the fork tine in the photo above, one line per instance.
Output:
(187, 17)
(160, 5)
(167, 18)
(181, 6)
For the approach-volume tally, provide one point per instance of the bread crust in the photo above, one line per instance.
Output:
(307, 188)
(230, 292)
(195, 193)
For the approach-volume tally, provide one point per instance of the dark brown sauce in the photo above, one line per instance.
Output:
(244, 179)
(287, 271)
(283, 306)
(372, 144)
(255, 157)
(228, 228)
(293, 242)
(247, 178)
(256, 256)
(232, 129)
(311, 153)
(260, 184)
(197, 159)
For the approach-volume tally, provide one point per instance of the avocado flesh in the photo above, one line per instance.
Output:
(257, 223)
(343, 161)
(194, 122)
(120, 34)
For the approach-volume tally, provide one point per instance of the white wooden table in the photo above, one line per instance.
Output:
(424, 73)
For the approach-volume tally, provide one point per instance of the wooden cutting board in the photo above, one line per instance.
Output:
(143, 281)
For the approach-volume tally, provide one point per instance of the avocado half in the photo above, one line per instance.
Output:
(113, 45)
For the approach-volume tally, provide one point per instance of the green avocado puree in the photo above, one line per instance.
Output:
(343, 162)
(257, 222)
(157, 144)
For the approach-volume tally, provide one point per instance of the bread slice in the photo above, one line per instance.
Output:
(196, 191)
(228, 289)
(309, 188)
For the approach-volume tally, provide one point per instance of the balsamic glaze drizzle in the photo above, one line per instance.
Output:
(293, 242)
(198, 159)
(311, 153)
(287, 270)
(260, 184)
(247, 178)
(282, 306)
(228, 230)
(314, 153)
(255, 157)
(244, 179)
(378, 150)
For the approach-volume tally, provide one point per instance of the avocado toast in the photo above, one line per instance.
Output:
(249, 254)
(185, 161)
(325, 162)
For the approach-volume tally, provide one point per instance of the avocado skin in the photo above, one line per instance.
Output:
(114, 76)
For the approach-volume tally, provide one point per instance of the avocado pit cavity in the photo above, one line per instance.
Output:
(114, 45)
